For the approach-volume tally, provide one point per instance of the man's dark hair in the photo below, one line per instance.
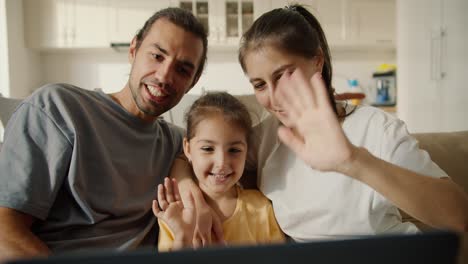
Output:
(184, 19)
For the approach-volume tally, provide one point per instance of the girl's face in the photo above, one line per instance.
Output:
(265, 67)
(217, 152)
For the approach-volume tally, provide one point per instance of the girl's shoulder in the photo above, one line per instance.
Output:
(253, 199)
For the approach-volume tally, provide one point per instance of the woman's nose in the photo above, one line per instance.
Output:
(272, 98)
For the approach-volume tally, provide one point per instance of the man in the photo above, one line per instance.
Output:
(78, 168)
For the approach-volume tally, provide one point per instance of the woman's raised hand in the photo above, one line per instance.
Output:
(312, 131)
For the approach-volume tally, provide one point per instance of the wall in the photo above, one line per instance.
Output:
(4, 77)
(108, 69)
(24, 65)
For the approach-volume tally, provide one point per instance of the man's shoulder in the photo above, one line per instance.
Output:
(58, 92)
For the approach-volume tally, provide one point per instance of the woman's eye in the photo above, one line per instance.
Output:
(258, 86)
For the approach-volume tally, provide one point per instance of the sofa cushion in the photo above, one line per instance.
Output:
(449, 150)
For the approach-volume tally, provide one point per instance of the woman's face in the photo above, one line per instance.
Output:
(265, 66)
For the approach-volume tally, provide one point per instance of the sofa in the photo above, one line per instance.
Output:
(450, 151)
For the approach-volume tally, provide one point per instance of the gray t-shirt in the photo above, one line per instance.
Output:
(86, 168)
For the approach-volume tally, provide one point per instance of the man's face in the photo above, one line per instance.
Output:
(163, 68)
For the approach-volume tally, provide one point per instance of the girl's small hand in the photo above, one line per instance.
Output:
(313, 131)
(180, 217)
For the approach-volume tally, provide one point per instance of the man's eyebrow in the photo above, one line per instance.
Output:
(186, 63)
(156, 45)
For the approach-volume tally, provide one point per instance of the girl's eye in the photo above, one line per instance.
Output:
(235, 150)
(206, 149)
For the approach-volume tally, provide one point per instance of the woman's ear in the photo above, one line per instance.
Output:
(187, 150)
(319, 60)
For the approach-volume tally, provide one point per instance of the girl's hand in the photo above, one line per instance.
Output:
(314, 132)
(180, 217)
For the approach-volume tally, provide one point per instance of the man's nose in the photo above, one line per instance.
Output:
(164, 73)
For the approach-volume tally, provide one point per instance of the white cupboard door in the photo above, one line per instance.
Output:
(127, 17)
(418, 86)
(332, 16)
(454, 66)
(46, 23)
(371, 22)
(90, 19)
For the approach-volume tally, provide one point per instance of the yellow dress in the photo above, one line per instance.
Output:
(253, 222)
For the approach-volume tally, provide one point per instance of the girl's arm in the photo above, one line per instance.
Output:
(314, 126)
(208, 222)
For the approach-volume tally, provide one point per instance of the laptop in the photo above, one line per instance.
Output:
(427, 248)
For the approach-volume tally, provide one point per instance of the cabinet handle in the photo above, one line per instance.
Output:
(435, 55)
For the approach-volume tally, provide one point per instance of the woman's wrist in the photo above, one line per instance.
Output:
(354, 165)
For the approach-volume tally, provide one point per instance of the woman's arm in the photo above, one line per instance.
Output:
(437, 202)
(314, 126)
(207, 221)
(16, 238)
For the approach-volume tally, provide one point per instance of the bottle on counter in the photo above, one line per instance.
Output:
(355, 89)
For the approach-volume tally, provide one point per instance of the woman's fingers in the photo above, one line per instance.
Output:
(289, 139)
(320, 90)
(287, 101)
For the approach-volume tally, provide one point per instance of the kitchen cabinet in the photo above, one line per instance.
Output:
(432, 68)
(224, 20)
(127, 17)
(66, 23)
(357, 23)
(354, 24)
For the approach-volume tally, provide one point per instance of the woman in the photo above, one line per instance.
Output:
(331, 173)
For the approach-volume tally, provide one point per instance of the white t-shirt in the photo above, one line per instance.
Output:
(310, 204)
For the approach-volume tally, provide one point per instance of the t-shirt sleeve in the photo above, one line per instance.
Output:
(166, 238)
(276, 234)
(178, 136)
(34, 161)
(400, 148)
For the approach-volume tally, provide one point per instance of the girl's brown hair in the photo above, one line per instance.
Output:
(218, 102)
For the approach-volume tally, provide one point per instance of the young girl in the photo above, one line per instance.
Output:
(331, 174)
(216, 144)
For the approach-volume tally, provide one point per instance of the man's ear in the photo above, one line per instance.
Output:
(132, 50)
(187, 150)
